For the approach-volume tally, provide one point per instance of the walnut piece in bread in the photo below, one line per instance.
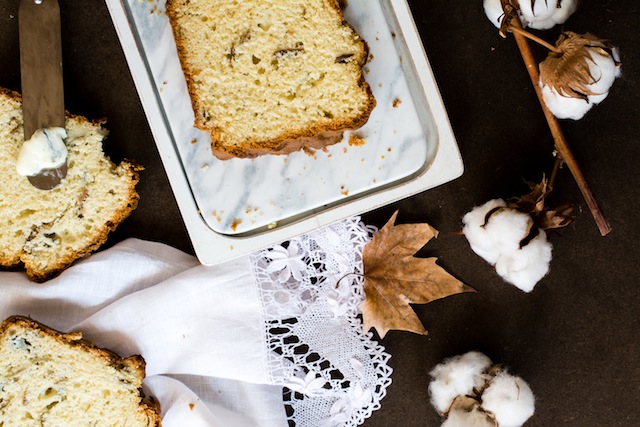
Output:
(48, 230)
(48, 378)
(271, 76)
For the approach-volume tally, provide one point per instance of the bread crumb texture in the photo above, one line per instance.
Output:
(48, 379)
(47, 230)
(271, 76)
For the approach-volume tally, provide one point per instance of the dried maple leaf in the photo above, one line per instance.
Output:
(394, 278)
(567, 71)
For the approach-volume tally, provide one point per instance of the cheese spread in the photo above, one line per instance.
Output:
(44, 150)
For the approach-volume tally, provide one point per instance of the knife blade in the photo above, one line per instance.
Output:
(41, 77)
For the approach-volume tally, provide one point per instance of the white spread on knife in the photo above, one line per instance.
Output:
(45, 150)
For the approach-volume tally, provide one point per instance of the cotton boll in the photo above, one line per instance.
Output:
(471, 392)
(491, 236)
(497, 235)
(507, 228)
(565, 107)
(468, 414)
(525, 266)
(475, 418)
(546, 13)
(509, 399)
(457, 376)
(493, 10)
(604, 69)
(477, 235)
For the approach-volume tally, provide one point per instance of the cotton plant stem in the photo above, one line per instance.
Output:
(554, 172)
(527, 34)
(558, 136)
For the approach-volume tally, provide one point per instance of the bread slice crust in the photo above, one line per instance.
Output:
(46, 231)
(50, 378)
(271, 76)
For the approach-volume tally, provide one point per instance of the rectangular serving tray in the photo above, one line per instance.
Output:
(235, 207)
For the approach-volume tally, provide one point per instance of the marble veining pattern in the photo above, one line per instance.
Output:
(243, 195)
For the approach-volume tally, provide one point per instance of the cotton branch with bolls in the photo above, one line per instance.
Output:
(514, 12)
(577, 74)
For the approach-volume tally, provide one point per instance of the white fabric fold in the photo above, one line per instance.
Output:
(271, 339)
(216, 402)
(147, 298)
(204, 321)
(92, 283)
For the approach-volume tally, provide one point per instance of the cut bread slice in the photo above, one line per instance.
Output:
(271, 76)
(48, 230)
(48, 378)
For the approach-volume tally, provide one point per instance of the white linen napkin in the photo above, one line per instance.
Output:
(270, 339)
(146, 298)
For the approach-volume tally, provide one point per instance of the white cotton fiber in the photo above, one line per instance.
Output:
(472, 392)
(479, 238)
(525, 267)
(564, 107)
(546, 13)
(497, 238)
(603, 68)
(493, 10)
(457, 376)
(509, 399)
(543, 16)
(476, 417)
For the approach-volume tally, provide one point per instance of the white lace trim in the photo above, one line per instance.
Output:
(310, 289)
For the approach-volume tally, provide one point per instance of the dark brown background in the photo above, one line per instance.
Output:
(575, 337)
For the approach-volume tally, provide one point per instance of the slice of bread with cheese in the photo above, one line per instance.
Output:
(46, 231)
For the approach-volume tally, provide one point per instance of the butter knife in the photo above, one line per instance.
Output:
(41, 77)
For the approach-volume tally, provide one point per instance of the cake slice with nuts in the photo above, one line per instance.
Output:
(48, 378)
(271, 76)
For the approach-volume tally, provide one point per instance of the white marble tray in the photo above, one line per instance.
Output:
(236, 206)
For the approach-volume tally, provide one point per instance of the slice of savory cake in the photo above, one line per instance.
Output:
(271, 76)
(46, 231)
(48, 378)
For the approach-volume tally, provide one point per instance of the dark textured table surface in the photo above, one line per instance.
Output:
(575, 337)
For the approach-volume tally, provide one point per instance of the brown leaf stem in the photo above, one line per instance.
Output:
(353, 273)
(558, 136)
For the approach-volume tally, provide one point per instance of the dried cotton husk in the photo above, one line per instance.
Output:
(578, 75)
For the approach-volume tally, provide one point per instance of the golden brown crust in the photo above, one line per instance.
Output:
(11, 94)
(316, 137)
(10, 260)
(39, 274)
(171, 10)
(73, 339)
(135, 363)
(250, 150)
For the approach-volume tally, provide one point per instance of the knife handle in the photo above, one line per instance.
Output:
(41, 64)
